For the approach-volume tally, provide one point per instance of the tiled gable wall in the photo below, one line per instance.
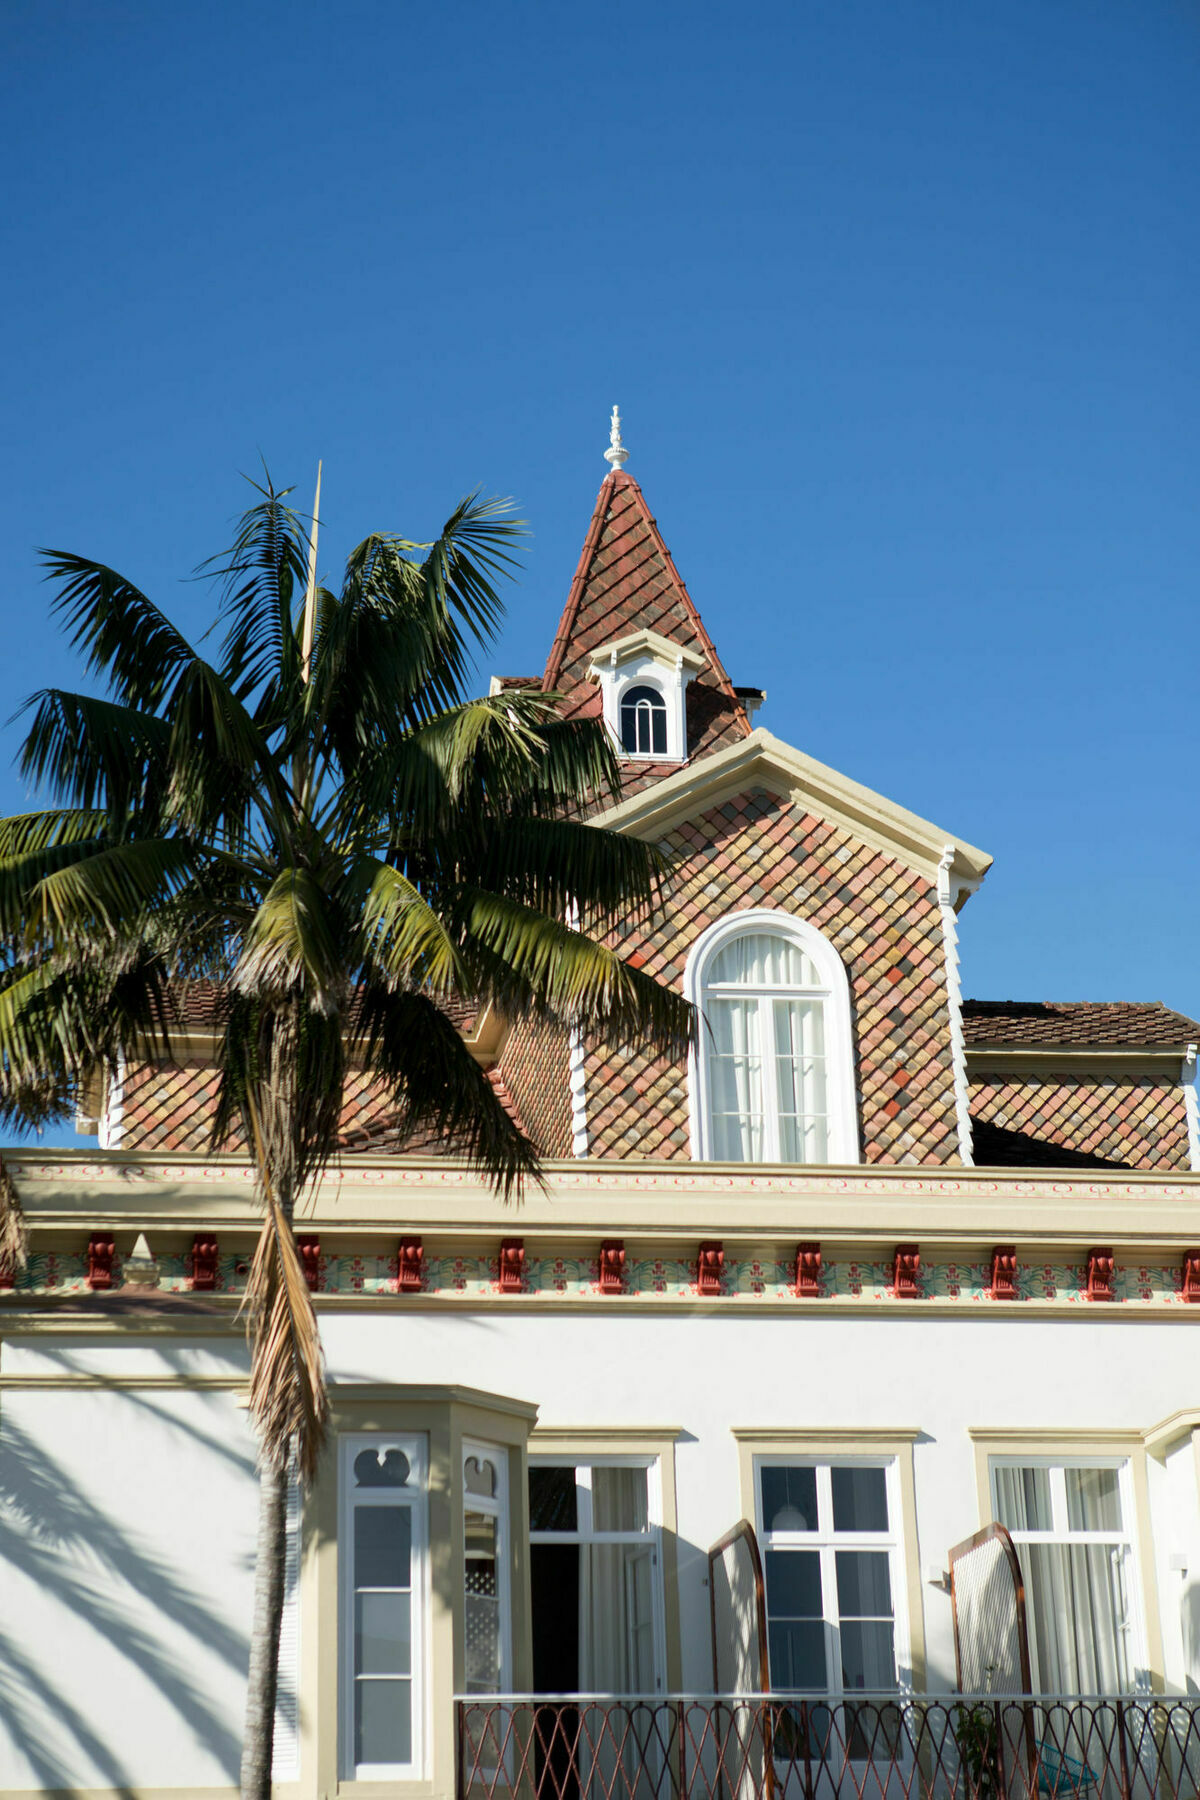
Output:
(1122, 1121)
(759, 849)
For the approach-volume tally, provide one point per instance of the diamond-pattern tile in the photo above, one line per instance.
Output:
(1131, 1121)
(757, 849)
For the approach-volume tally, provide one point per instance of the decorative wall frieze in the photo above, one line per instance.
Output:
(617, 1274)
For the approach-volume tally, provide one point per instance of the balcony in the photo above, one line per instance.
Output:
(792, 1747)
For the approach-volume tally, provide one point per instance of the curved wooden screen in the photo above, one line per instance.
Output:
(987, 1596)
(738, 1608)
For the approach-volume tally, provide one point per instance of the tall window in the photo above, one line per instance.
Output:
(644, 722)
(596, 1578)
(383, 1539)
(1072, 1524)
(831, 1560)
(773, 1075)
(485, 1559)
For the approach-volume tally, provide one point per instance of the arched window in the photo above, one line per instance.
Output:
(772, 1076)
(644, 722)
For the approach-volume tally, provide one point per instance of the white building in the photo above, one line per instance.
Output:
(880, 1267)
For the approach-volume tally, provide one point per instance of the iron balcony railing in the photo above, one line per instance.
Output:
(793, 1747)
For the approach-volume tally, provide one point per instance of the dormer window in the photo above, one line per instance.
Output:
(643, 679)
(643, 721)
(772, 1074)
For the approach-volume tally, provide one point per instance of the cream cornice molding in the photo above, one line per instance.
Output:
(554, 1437)
(645, 643)
(1053, 1436)
(880, 1435)
(768, 761)
(1126, 1062)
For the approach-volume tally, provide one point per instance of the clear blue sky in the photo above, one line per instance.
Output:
(899, 302)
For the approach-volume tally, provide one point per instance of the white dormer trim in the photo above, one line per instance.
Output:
(644, 659)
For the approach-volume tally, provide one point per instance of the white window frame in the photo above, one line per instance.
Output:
(644, 659)
(496, 1507)
(654, 689)
(826, 1542)
(843, 1146)
(415, 1494)
(1061, 1533)
(585, 1532)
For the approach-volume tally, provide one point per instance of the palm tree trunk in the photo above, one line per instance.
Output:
(269, 1572)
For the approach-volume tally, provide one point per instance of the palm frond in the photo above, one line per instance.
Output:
(553, 864)
(292, 947)
(287, 1371)
(531, 964)
(110, 891)
(96, 753)
(402, 933)
(25, 834)
(121, 633)
(14, 1241)
(439, 1087)
(260, 574)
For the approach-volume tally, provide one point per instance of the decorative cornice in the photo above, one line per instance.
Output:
(766, 760)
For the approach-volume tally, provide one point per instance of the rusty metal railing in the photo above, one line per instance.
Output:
(811, 1747)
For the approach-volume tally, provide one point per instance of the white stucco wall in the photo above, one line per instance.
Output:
(127, 1515)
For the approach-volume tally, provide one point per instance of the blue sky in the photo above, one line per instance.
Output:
(898, 301)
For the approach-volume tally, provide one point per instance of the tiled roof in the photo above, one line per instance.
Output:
(1076, 1024)
(199, 1006)
(627, 581)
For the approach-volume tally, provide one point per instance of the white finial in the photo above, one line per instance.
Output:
(617, 455)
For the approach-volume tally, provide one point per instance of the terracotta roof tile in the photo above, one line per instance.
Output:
(627, 581)
(1079, 1024)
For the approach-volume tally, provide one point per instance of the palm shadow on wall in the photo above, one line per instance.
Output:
(59, 1540)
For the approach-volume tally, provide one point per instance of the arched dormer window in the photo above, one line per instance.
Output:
(772, 1077)
(643, 721)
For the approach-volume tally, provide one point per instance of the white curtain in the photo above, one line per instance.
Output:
(762, 959)
(1078, 1611)
(800, 1080)
(616, 1619)
(737, 1096)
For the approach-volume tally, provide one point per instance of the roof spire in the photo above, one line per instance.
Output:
(617, 455)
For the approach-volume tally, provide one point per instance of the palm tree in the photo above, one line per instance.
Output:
(321, 823)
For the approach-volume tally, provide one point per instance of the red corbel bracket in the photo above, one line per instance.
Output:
(510, 1266)
(612, 1266)
(203, 1261)
(100, 1253)
(906, 1272)
(1100, 1274)
(808, 1271)
(310, 1261)
(710, 1267)
(410, 1266)
(1004, 1272)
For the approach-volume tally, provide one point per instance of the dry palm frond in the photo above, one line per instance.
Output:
(287, 1375)
(13, 1235)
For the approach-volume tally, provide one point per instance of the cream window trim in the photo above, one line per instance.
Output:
(414, 1497)
(1076, 1446)
(651, 1447)
(844, 1444)
(834, 992)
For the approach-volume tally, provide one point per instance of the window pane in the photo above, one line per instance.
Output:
(1023, 1499)
(1077, 1597)
(1093, 1499)
(620, 1500)
(761, 959)
(552, 1502)
(868, 1656)
(797, 1655)
(864, 1584)
(789, 1499)
(383, 1634)
(793, 1579)
(736, 1080)
(860, 1499)
(644, 722)
(381, 1468)
(382, 1546)
(382, 1721)
(482, 1648)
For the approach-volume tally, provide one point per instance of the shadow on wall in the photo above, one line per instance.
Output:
(61, 1542)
